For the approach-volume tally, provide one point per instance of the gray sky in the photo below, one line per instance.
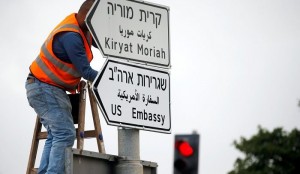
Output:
(235, 65)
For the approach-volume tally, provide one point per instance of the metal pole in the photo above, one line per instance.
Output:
(129, 152)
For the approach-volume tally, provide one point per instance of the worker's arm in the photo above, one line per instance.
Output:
(69, 47)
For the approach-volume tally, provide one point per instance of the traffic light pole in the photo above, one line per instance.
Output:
(129, 151)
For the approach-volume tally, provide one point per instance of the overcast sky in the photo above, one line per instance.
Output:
(235, 65)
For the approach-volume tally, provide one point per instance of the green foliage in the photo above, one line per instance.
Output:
(276, 152)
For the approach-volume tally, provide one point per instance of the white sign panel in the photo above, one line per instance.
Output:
(133, 30)
(134, 96)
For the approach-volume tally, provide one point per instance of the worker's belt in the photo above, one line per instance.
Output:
(30, 78)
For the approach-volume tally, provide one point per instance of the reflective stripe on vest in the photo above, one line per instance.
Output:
(75, 27)
(51, 75)
(58, 64)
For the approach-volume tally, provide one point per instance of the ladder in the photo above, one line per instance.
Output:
(78, 102)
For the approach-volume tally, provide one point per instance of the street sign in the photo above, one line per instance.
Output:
(134, 96)
(132, 30)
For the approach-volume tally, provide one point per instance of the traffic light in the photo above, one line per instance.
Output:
(186, 154)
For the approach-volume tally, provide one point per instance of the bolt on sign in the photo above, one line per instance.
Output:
(130, 95)
(132, 30)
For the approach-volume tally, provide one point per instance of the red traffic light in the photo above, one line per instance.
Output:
(186, 153)
(184, 148)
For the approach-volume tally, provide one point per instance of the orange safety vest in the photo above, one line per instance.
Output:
(50, 69)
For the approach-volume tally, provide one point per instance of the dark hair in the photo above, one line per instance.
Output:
(85, 5)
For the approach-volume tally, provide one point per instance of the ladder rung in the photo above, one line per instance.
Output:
(90, 134)
(42, 135)
(87, 134)
(34, 171)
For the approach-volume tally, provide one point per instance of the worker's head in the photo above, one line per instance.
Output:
(82, 12)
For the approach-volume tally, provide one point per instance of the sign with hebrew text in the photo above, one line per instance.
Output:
(131, 30)
(130, 95)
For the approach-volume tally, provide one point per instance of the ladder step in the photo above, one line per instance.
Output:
(34, 171)
(87, 134)
(90, 134)
(42, 135)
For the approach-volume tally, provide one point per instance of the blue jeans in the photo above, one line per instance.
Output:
(53, 107)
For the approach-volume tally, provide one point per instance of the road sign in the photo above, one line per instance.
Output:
(133, 30)
(134, 96)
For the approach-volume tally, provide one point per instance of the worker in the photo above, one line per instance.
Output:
(64, 58)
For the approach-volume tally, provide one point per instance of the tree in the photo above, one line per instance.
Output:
(276, 152)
